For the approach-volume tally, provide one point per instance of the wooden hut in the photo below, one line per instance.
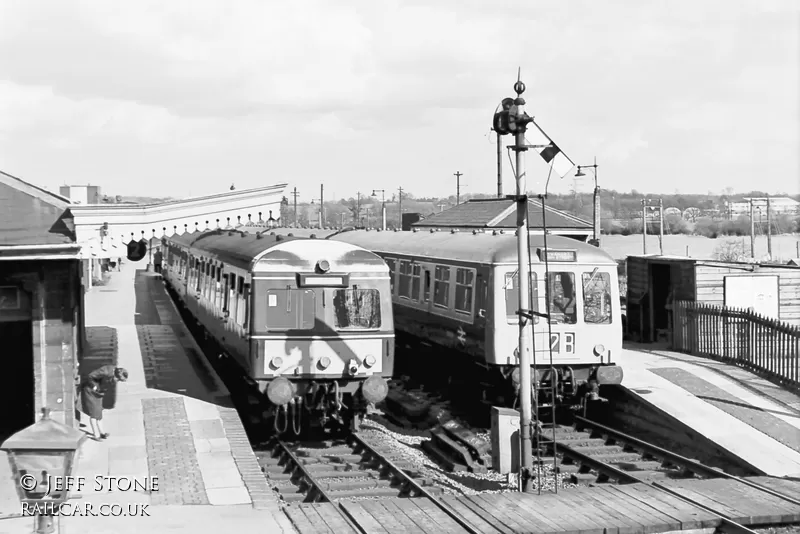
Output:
(654, 282)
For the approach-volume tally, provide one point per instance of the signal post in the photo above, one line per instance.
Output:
(512, 119)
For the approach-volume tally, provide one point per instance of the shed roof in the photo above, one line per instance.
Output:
(465, 246)
(30, 215)
(501, 213)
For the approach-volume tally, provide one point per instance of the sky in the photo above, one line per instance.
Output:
(185, 98)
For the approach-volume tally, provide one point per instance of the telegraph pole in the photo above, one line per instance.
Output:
(769, 230)
(400, 207)
(358, 208)
(644, 226)
(321, 207)
(294, 194)
(499, 166)
(514, 120)
(752, 230)
(661, 225)
(458, 176)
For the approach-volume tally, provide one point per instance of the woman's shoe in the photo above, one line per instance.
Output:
(104, 436)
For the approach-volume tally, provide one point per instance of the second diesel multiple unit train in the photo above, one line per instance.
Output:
(309, 320)
(458, 291)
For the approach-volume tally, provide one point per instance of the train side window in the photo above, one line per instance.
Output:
(441, 286)
(404, 281)
(357, 309)
(596, 298)
(561, 289)
(227, 292)
(415, 281)
(511, 287)
(246, 305)
(464, 281)
(291, 309)
(391, 264)
(426, 294)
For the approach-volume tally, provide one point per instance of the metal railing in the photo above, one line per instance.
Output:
(740, 337)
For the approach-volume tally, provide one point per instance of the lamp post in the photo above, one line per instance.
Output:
(595, 202)
(383, 206)
(271, 221)
(42, 458)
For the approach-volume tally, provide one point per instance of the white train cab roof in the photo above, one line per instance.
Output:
(478, 247)
(263, 252)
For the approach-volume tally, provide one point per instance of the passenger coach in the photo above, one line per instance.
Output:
(308, 320)
(459, 291)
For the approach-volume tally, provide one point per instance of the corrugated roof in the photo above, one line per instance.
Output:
(466, 246)
(501, 213)
(30, 215)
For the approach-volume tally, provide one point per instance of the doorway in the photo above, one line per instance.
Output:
(661, 282)
(18, 395)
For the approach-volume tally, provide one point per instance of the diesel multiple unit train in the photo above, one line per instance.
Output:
(458, 293)
(308, 320)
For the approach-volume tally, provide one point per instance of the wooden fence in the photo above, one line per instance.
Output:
(738, 336)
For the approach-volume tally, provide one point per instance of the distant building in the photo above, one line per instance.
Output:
(82, 194)
(777, 205)
(486, 215)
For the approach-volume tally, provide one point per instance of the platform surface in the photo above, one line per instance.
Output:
(748, 416)
(171, 419)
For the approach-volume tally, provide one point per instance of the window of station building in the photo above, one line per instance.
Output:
(596, 297)
(357, 309)
(291, 309)
(511, 287)
(563, 298)
(391, 264)
(441, 286)
(464, 281)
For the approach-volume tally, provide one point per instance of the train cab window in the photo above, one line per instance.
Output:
(561, 288)
(464, 281)
(511, 287)
(291, 309)
(441, 286)
(391, 264)
(357, 309)
(596, 297)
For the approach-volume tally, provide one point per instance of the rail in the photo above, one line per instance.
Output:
(727, 525)
(664, 455)
(740, 337)
(314, 491)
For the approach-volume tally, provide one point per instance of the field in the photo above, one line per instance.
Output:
(784, 247)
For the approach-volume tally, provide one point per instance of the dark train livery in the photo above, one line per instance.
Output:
(458, 291)
(309, 320)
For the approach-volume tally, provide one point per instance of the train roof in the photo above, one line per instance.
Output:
(480, 247)
(244, 249)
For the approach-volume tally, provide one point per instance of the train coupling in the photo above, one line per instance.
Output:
(609, 375)
(374, 389)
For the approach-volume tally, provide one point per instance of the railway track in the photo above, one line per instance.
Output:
(331, 470)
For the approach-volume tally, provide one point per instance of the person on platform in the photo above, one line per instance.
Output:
(158, 258)
(93, 389)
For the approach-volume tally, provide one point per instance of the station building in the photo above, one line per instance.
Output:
(50, 251)
(499, 214)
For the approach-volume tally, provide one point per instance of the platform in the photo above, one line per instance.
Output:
(171, 419)
(747, 416)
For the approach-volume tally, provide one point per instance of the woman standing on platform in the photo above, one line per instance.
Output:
(94, 389)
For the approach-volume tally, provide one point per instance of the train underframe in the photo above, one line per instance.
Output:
(298, 406)
(560, 388)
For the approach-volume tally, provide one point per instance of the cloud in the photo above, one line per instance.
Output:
(209, 88)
